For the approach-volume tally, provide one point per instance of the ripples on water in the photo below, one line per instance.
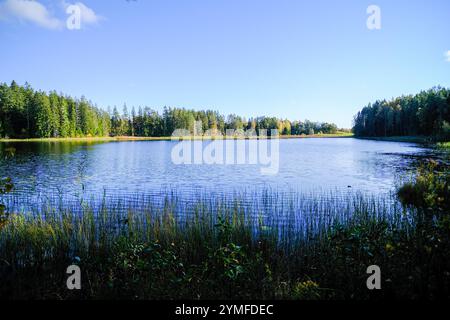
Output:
(138, 172)
(292, 214)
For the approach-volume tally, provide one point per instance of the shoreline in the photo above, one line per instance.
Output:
(133, 138)
(426, 140)
(412, 139)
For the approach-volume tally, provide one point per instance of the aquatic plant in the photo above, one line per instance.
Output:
(225, 248)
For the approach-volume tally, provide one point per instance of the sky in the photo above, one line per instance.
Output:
(314, 59)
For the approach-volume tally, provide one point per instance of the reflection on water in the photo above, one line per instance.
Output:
(75, 170)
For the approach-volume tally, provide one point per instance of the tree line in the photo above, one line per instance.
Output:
(26, 113)
(148, 122)
(426, 113)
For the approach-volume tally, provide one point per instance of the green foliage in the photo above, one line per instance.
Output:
(427, 113)
(443, 145)
(444, 134)
(306, 290)
(6, 186)
(222, 252)
(25, 113)
(430, 188)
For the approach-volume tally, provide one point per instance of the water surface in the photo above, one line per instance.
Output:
(74, 170)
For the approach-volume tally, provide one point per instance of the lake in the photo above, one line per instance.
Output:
(74, 170)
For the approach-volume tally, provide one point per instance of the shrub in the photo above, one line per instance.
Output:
(430, 188)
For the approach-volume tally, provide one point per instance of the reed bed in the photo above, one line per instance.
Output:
(269, 245)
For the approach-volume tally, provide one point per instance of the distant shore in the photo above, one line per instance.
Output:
(133, 138)
(412, 139)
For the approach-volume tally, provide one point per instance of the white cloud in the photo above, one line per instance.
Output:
(35, 12)
(88, 16)
(29, 10)
(447, 56)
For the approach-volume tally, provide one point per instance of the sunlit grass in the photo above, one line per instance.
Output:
(444, 145)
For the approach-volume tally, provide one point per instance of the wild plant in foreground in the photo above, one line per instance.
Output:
(276, 246)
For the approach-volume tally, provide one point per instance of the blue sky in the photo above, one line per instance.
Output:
(295, 59)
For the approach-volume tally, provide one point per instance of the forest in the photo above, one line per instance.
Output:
(426, 113)
(27, 113)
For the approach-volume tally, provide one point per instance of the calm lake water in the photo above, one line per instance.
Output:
(92, 169)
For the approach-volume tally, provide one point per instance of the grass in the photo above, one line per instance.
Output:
(429, 189)
(280, 246)
(131, 138)
(444, 145)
